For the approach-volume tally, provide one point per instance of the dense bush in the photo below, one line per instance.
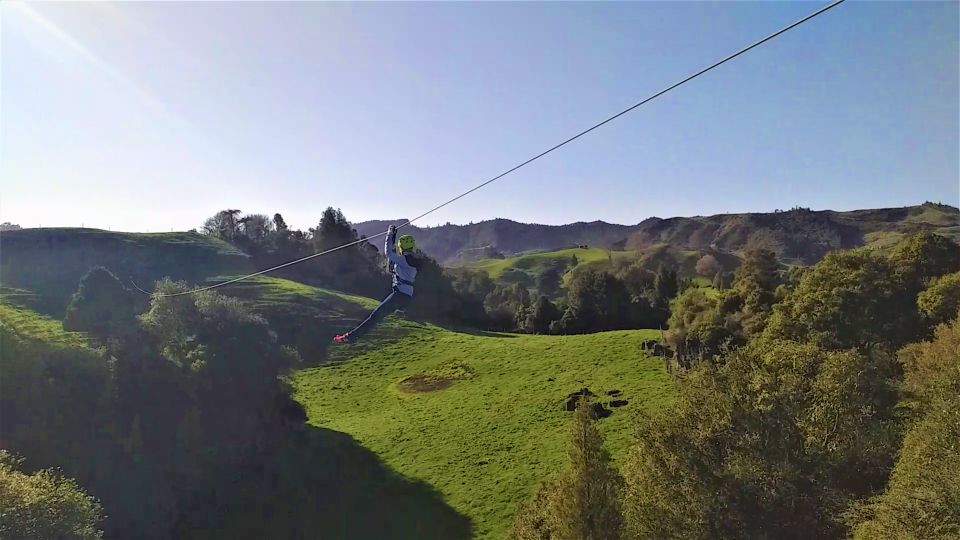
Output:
(922, 499)
(154, 428)
(44, 505)
(774, 443)
(940, 301)
(583, 502)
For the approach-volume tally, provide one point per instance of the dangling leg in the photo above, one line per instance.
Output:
(387, 306)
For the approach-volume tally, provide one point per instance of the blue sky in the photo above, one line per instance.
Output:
(152, 116)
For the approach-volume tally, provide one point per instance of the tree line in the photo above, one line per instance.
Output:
(813, 403)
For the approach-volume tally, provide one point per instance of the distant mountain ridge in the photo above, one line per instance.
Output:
(801, 235)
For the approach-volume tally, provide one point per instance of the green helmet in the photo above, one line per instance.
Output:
(406, 243)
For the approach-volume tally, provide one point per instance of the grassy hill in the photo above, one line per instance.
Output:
(316, 483)
(303, 316)
(526, 267)
(534, 263)
(50, 262)
(478, 416)
(27, 324)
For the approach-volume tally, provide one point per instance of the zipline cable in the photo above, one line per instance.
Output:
(525, 163)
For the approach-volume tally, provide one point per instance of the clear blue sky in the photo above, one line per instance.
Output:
(152, 116)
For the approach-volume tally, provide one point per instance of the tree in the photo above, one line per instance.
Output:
(596, 301)
(504, 303)
(755, 282)
(7, 226)
(922, 499)
(223, 225)
(941, 300)
(541, 315)
(583, 503)
(848, 299)
(697, 327)
(255, 228)
(44, 505)
(919, 258)
(102, 307)
(278, 223)
(721, 281)
(708, 266)
(548, 281)
(775, 442)
(358, 269)
(333, 230)
(639, 280)
(234, 364)
(665, 286)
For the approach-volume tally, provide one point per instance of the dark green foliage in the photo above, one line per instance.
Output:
(56, 403)
(922, 499)
(270, 242)
(549, 281)
(596, 301)
(665, 286)
(775, 443)
(699, 329)
(541, 315)
(754, 282)
(359, 269)
(437, 299)
(583, 503)
(924, 256)
(154, 430)
(587, 502)
(472, 288)
(503, 304)
(44, 505)
(849, 299)
(103, 307)
(639, 280)
(232, 364)
(940, 301)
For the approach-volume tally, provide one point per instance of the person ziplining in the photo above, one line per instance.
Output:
(403, 266)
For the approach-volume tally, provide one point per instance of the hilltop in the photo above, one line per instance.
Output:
(50, 261)
(799, 235)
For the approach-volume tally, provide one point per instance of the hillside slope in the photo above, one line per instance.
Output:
(50, 262)
(798, 235)
(478, 416)
(445, 242)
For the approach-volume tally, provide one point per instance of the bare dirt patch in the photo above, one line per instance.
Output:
(435, 379)
(421, 382)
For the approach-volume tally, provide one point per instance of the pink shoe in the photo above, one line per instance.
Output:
(343, 338)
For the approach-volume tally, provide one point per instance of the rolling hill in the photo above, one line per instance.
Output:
(50, 262)
(479, 416)
(419, 431)
(798, 235)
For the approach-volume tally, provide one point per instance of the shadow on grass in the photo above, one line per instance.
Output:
(322, 484)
